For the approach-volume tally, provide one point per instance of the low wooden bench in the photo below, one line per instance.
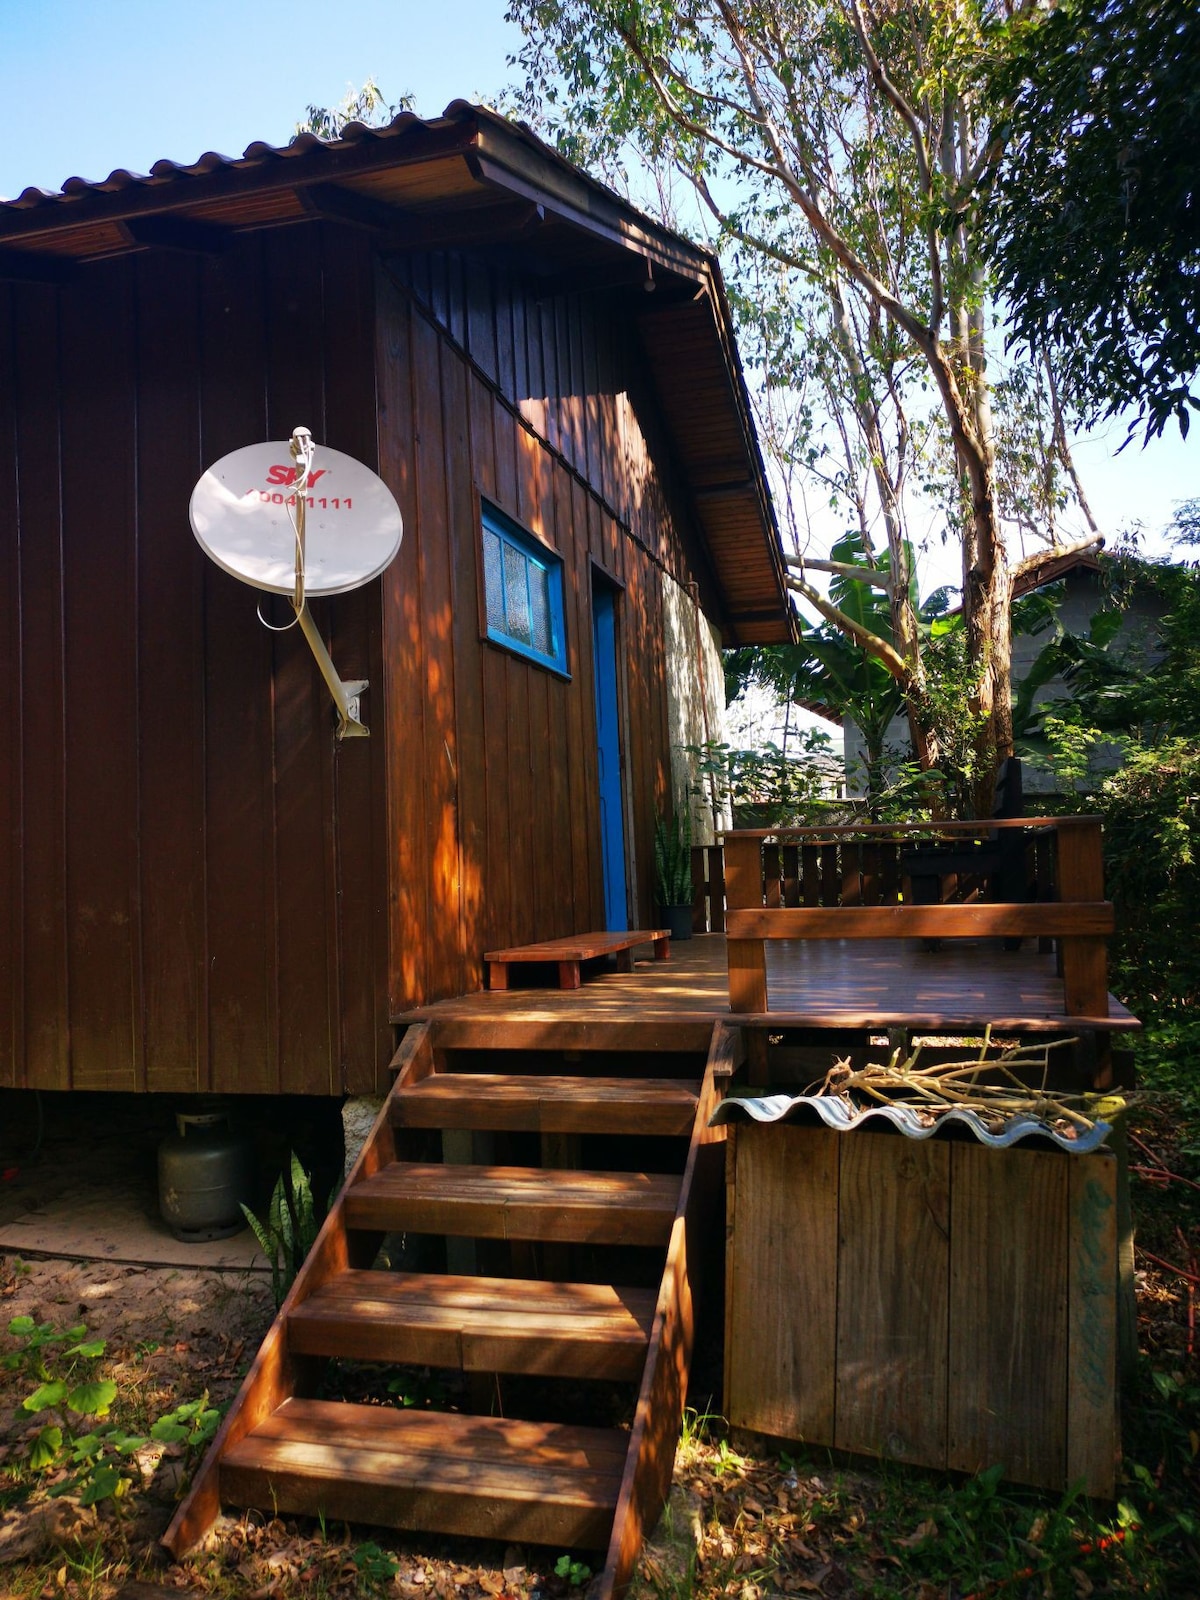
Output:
(569, 954)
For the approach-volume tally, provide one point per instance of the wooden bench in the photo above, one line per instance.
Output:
(569, 954)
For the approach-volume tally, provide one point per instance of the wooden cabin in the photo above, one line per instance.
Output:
(201, 889)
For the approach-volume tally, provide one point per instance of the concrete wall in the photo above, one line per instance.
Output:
(695, 697)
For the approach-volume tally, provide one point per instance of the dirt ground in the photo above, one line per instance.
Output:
(172, 1334)
(744, 1521)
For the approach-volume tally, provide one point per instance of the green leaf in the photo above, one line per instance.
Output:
(47, 1394)
(1165, 1383)
(167, 1431)
(21, 1327)
(265, 1242)
(90, 1350)
(103, 1483)
(1128, 1515)
(45, 1448)
(62, 1487)
(92, 1399)
(1105, 626)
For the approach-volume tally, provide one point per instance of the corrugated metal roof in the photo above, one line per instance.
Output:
(843, 1116)
(257, 154)
(458, 181)
(1055, 561)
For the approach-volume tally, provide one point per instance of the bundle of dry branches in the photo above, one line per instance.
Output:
(929, 1092)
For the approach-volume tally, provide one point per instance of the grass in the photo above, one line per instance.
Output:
(806, 1525)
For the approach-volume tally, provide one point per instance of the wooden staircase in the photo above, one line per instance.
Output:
(536, 1315)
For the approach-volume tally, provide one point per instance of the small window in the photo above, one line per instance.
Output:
(523, 583)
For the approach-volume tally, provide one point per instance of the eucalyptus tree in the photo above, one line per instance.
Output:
(1094, 227)
(842, 145)
(368, 105)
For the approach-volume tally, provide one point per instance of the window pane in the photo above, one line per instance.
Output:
(493, 581)
(516, 596)
(539, 596)
(523, 589)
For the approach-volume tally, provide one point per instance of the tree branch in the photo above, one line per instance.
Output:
(870, 642)
(874, 580)
(908, 116)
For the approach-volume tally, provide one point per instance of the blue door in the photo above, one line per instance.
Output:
(608, 741)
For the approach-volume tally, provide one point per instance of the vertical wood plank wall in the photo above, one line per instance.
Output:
(951, 1306)
(192, 875)
(542, 407)
(199, 889)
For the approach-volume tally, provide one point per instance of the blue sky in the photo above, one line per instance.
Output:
(90, 85)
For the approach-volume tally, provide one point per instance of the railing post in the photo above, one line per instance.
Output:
(700, 922)
(1084, 958)
(743, 892)
(716, 889)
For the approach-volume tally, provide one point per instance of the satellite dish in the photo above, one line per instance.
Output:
(242, 513)
(300, 527)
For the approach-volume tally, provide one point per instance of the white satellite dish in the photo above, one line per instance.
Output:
(290, 519)
(242, 513)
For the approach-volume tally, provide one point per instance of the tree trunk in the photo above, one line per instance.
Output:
(987, 598)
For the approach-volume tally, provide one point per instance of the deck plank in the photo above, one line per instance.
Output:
(548, 1103)
(1007, 1390)
(431, 1472)
(516, 1203)
(829, 983)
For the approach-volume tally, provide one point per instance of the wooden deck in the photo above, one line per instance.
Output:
(829, 983)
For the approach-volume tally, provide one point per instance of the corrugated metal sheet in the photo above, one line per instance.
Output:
(839, 1114)
(255, 155)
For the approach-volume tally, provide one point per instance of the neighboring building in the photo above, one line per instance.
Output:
(1077, 567)
(200, 889)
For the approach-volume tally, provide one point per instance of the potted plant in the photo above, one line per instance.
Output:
(673, 872)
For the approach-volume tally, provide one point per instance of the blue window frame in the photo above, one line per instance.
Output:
(523, 585)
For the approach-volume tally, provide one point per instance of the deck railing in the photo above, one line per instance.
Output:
(849, 883)
(708, 888)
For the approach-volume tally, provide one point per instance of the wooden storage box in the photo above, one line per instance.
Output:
(939, 1303)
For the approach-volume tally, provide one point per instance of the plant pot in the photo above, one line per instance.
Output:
(678, 921)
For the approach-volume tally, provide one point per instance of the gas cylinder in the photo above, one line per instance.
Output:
(205, 1175)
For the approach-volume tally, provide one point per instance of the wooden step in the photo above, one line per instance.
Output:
(516, 1203)
(528, 1102)
(432, 1472)
(566, 1330)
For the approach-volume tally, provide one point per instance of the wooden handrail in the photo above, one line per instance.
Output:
(980, 920)
(899, 830)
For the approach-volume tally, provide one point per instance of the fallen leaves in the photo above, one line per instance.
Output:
(923, 1531)
(45, 1525)
(741, 1524)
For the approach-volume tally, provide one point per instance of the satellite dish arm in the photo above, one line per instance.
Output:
(345, 695)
